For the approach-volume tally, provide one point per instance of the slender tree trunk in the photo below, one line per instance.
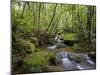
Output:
(39, 16)
(24, 5)
(72, 17)
(79, 14)
(55, 24)
(51, 18)
(89, 22)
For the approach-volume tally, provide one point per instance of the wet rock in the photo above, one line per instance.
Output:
(52, 60)
(68, 42)
(75, 58)
(92, 55)
(58, 60)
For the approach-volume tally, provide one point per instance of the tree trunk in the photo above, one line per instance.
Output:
(51, 18)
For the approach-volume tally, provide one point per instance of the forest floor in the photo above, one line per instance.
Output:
(40, 56)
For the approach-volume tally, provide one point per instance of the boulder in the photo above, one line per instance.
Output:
(68, 42)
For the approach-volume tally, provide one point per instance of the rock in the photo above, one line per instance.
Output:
(58, 60)
(52, 60)
(52, 42)
(78, 60)
(34, 40)
(75, 57)
(92, 55)
(24, 46)
(68, 42)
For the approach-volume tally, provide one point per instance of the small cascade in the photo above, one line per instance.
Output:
(79, 67)
(52, 47)
(71, 60)
(91, 62)
(57, 44)
(68, 64)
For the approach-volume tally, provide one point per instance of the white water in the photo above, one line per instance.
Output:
(68, 65)
(72, 65)
(91, 62)
(79, 67)
(52, 47)
(66, 61)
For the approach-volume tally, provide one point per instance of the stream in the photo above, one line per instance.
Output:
(72, 60)
(75, 61)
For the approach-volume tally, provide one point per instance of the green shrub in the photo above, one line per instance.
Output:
(34, 40)
(22, 46)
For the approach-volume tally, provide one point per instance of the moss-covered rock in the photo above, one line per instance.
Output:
(34, 40)
(21, 47)
(75, 57)
(38, 61)
(78, 59)
(24, 46)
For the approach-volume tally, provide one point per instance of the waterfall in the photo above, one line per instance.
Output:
(68, 64)
(79, 67)
(57, 38)
(52, 47)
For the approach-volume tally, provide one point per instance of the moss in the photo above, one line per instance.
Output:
(38, 61)
(78, 60)
(76, 46)
(41, 57)
(70, 36)
(25, 46)
(34, 40)
(36, 58)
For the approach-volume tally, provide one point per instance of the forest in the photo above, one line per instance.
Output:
(52, 37)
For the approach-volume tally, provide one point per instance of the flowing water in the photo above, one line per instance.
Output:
(72, 60)
(69, 61)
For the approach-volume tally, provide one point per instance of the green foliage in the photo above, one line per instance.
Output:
(34, 24)
(23, 46)
(36, 58)
(42, 56)
(26, 44)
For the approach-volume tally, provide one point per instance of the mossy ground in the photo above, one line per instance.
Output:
(37, 58)
(69, 36)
